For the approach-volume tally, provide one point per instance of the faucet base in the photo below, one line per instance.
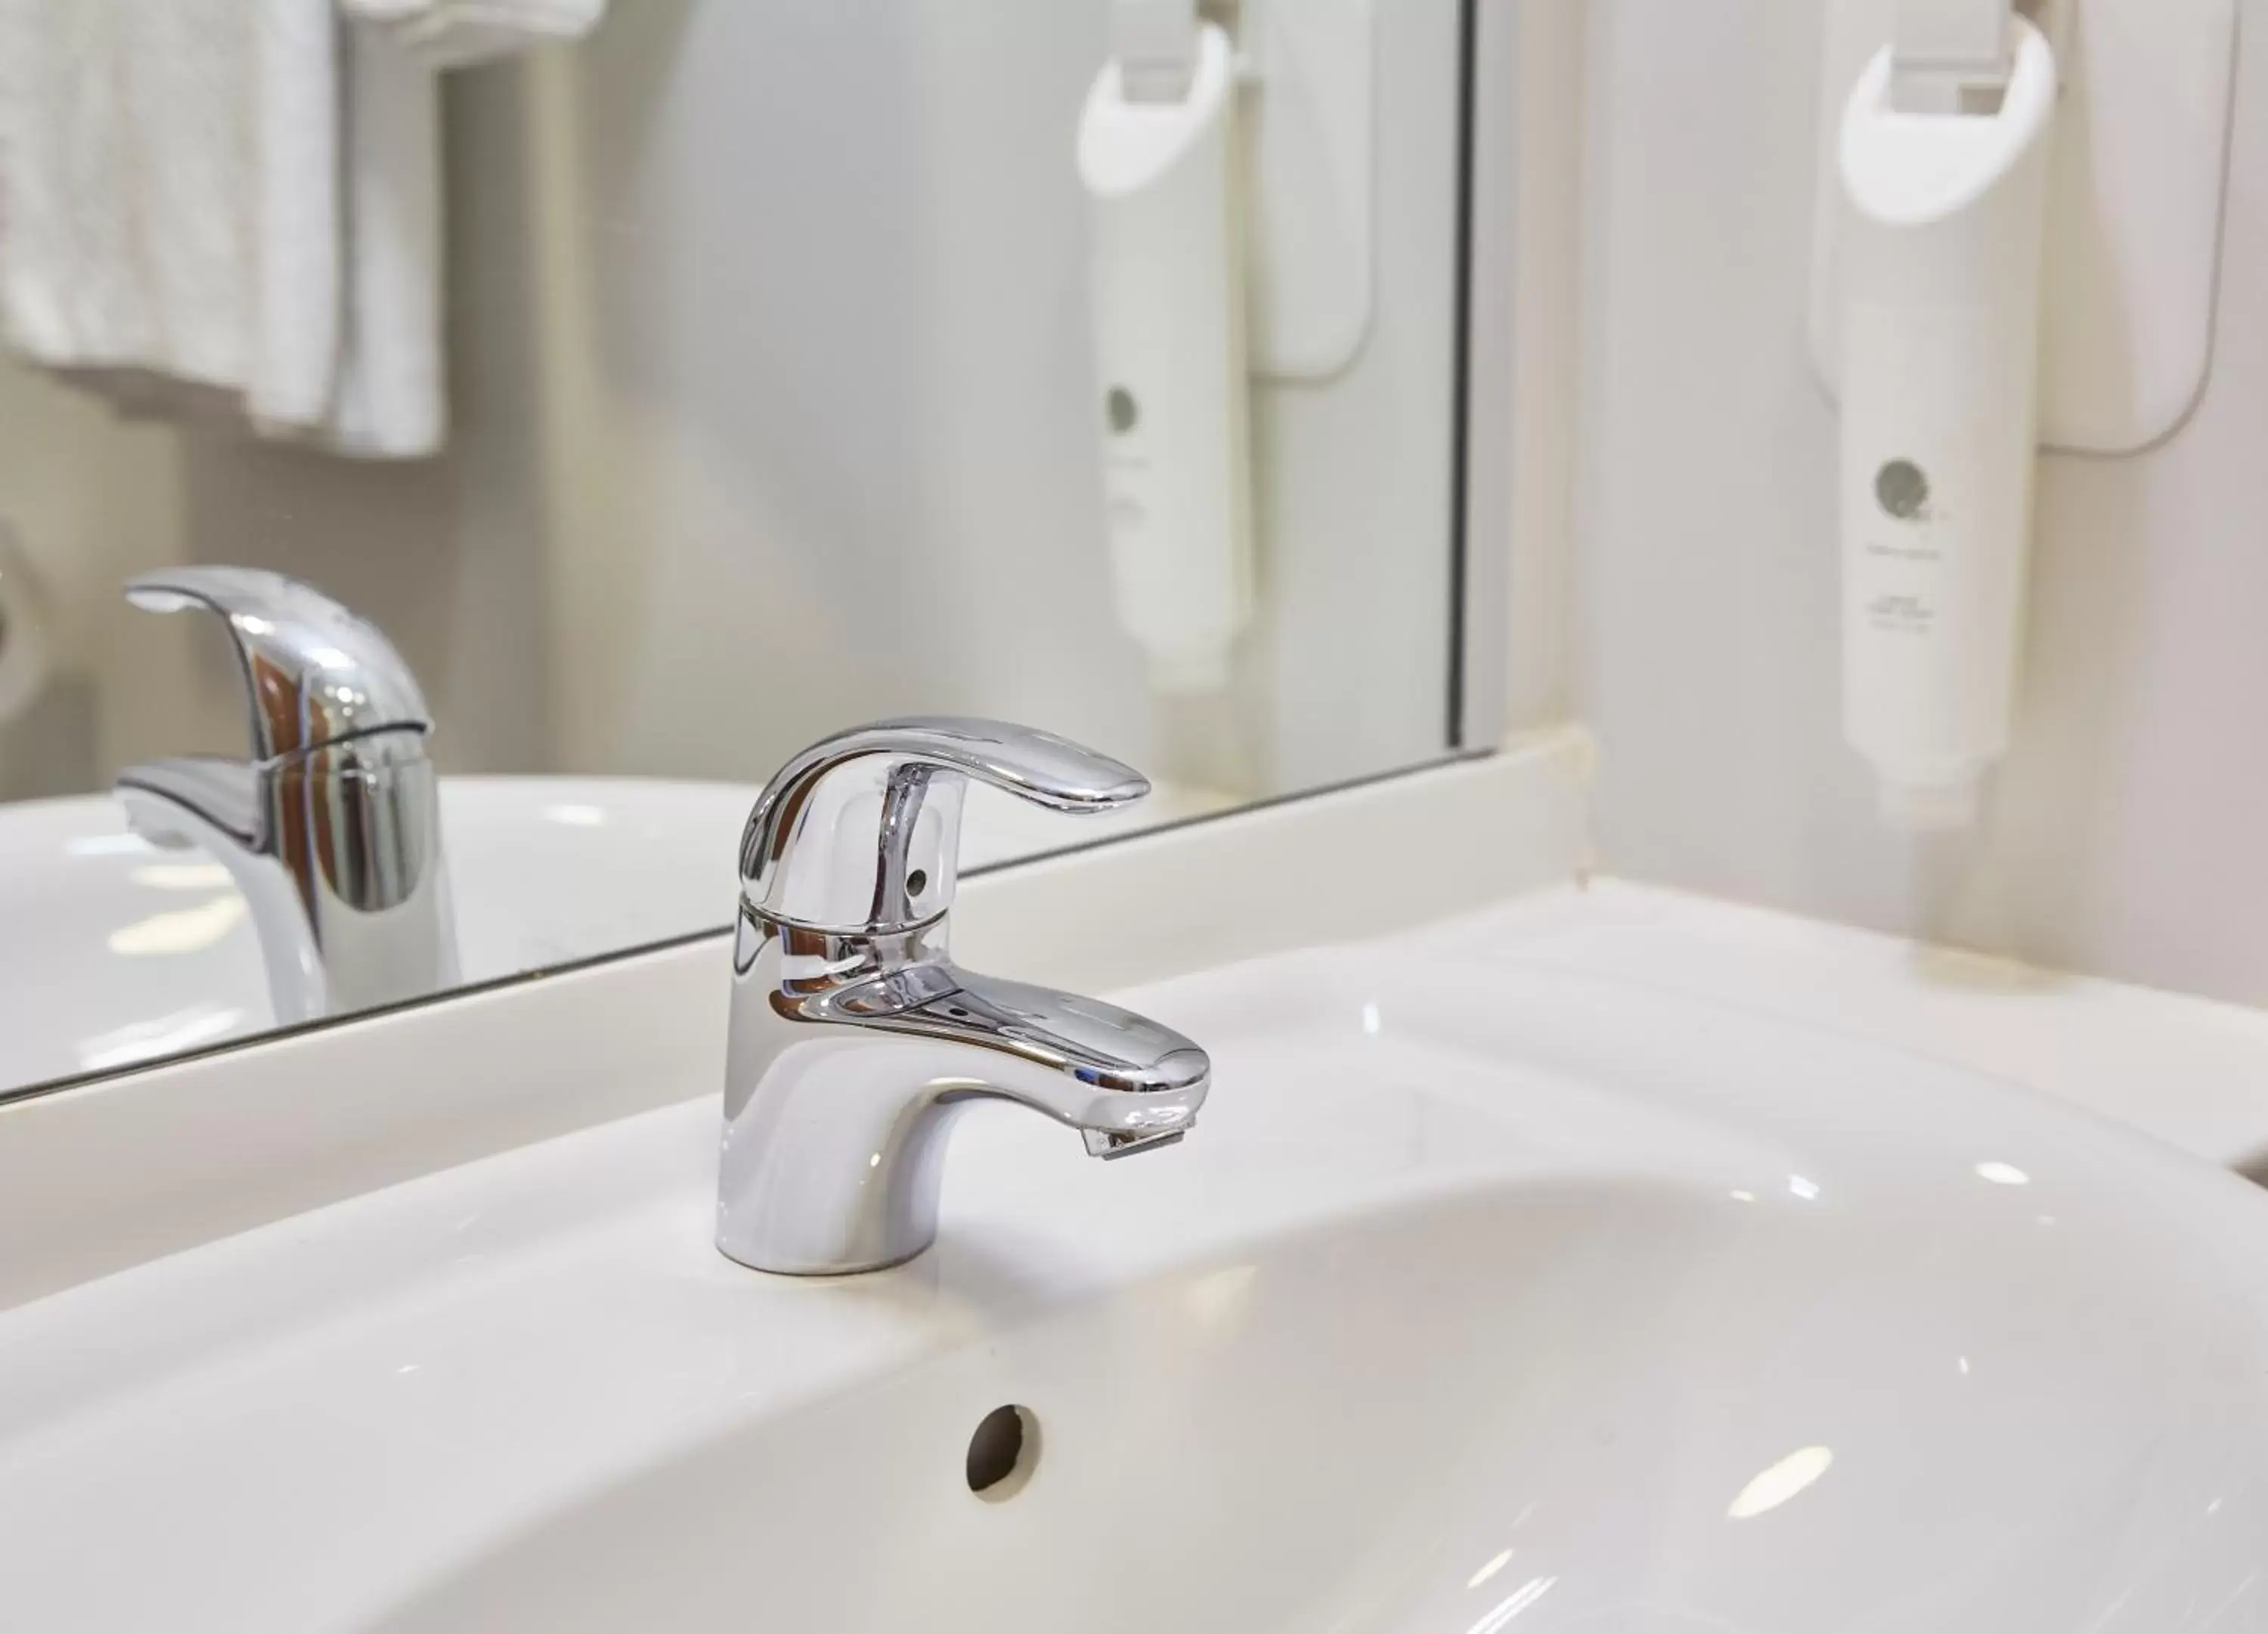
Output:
(1111, 1147)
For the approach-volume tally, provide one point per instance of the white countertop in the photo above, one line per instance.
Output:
(2190, 1072)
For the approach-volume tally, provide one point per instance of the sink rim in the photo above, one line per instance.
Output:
(614, 1218)
(533, 1198)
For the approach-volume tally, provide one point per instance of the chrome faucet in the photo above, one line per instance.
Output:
(855, 1040)
(331, 830)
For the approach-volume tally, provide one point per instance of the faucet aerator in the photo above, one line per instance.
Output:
(1111, 1147)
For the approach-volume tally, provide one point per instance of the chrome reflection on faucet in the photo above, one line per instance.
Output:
(332, 830)
(855, 1040)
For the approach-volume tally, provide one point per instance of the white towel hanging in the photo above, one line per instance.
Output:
(455, 33)
(234, 205)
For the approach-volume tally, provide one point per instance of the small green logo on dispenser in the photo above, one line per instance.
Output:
(1903, 489)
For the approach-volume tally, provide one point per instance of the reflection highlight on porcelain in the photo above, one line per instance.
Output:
(1496, 1563)
(1519, 1601)
(576, 816)
(1807, 1189)
(181, 931)
(1783, 1481)
(108, 845)
(183, 877)
(165, 1035)
(2003, 1174)
(1219, 1296)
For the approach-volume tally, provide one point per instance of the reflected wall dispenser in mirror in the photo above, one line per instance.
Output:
(1226, 162)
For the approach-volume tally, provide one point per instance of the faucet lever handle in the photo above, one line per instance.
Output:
(314, 671)
(860, 834)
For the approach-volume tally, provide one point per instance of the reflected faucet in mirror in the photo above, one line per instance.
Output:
(331, 829)
(855, 1040)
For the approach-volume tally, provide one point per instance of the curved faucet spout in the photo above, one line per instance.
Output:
(1124, 1082)
(849, 1058)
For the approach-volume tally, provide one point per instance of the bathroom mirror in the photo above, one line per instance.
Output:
(666, 396)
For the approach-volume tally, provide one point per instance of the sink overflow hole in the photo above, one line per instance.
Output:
(1002, 1453)
(916, 882)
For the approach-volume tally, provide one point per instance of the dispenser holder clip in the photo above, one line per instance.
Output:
(2134, 208)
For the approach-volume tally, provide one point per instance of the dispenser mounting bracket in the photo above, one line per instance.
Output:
(2134, 209)
(1309, 111)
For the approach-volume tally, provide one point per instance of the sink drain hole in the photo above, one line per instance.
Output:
(1002, 1453)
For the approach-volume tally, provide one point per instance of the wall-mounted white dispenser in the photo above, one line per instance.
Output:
(1158, 155)
(2134, 178)
(1944, 176)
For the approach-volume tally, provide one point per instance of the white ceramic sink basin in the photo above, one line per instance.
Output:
(1483, 1299)
(113, 952)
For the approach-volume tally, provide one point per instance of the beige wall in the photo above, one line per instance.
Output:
(2130, 831)
(89, 502)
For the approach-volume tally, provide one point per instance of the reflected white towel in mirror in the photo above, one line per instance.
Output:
(455, 33)
(234, 205)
